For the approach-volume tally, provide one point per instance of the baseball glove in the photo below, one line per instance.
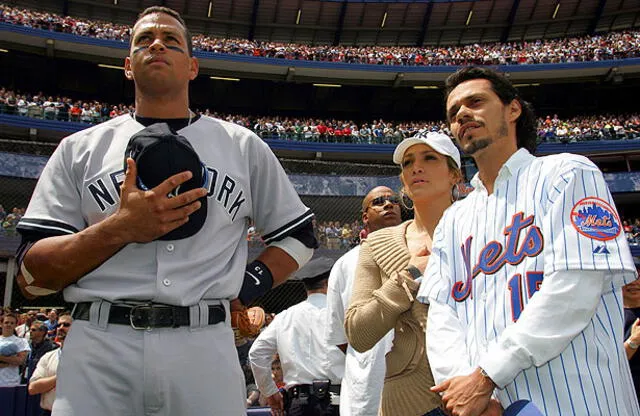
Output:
(248, 321)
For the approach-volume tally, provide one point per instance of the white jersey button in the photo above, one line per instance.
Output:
(166, 282)
(170, 247)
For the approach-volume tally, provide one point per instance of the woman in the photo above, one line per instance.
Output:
(390, 261)
(13, 352)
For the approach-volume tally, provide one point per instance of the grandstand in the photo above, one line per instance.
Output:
(330, 85)
(266, 63)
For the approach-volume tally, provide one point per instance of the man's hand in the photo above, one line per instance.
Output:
(144, 216)
(276, 403)
(466, 395)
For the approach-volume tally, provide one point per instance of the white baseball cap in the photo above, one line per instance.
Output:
(439, 142)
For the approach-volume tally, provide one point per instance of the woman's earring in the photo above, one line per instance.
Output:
(455, 193)
(403, 200)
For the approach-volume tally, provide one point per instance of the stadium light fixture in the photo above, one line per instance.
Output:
(555, 12)
(425, 87)
(469, 17)
(327, 85)
(225, 78)
(115, 2)
(111, 66)
(210, 9)
(4, 50)
(298, 16)
(384, 20)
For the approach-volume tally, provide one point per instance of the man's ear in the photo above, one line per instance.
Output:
(127, 69)
(194, 68)
(365, 218)
(515, 109)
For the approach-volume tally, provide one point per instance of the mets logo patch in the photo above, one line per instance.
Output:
(595, 218)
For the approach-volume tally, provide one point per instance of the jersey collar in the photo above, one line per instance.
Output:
(520, 158)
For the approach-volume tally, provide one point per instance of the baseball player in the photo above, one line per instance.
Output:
(152, 332)
(363, 372)
(525, 274)
(312, 369)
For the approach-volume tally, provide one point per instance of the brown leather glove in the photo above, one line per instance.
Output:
(248, 321)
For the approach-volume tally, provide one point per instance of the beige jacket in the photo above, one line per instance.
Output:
(383, 299)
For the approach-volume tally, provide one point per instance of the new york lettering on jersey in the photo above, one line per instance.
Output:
(223, 188)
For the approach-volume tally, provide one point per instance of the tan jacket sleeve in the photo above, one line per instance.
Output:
(375, 306)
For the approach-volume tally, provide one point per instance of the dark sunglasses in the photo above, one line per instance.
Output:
(64, 324)
(380, 201)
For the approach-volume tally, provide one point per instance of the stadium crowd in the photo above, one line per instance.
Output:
(550, 128)
(612, 45)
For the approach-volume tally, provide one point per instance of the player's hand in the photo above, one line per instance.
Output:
(466, 395)
(144, 216)
(635, 332)
(276, 403)
(236, 305)
(420, 259)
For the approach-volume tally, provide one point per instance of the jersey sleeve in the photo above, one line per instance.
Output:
(55, 207)
(436, 281)
(277, 208)
(581, 225)
(445, 334)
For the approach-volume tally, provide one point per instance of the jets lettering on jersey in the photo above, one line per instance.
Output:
(223, 188)
(493, 256)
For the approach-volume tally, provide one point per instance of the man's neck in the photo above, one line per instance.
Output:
(162, 107)
(489, 165)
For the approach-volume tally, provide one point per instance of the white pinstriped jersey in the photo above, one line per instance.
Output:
(491, 254)
(80, 187)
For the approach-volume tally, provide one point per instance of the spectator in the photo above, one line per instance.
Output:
(40, 345)
(13, 352)
(43, 380)
(52, 323)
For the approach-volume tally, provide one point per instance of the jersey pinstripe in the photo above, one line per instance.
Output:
(80, 187)
(508, 242)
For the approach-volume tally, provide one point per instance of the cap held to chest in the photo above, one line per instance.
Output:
(159, 153)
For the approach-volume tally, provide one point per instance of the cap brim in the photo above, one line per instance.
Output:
(398, 154)
(403, 146)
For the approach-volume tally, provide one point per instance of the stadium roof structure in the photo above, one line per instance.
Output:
(373, 22)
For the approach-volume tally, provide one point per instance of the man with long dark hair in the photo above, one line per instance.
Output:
(525, 276)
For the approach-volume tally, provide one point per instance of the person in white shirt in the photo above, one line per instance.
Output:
(43, 380)
(312, 368)
(13, 352)
(525, 274)
(363, 372)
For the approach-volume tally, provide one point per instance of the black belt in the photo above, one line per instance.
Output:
(307, 389)
(153, 315)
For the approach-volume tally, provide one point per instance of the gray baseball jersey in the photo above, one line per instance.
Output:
(80, 187)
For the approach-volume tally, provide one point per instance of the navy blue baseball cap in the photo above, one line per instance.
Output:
(159, 153)
(315, 270)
